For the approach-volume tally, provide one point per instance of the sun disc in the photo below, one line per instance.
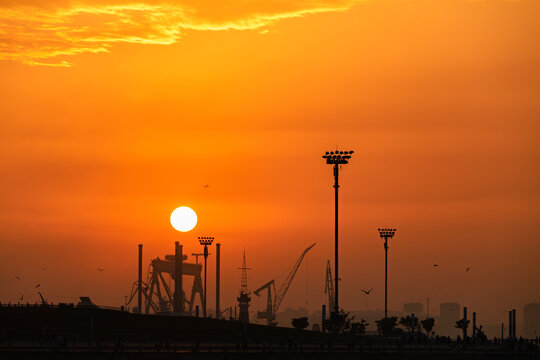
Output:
(183, 219)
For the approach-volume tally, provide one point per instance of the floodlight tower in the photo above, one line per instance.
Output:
(205, 240)
(336, 158)
(385, 234)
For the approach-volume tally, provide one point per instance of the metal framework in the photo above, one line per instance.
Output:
(329, 286)
(273, 302)
(158, 296)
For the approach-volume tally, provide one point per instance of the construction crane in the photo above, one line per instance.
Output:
(273, 302)
(329, 287)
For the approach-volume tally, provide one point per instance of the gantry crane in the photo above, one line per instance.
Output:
(329, 287)
(273, 302)
(160, 302)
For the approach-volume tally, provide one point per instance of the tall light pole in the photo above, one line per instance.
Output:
(385, 234)
(336, 158)
(205, 240)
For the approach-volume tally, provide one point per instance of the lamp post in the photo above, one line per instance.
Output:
(205, 240)
(385, 234)
(336, 158)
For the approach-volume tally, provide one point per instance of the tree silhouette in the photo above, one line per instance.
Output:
(386, 326)
(463, 325)
(480, 335)
(359, 328)
(428, 325)
(340, 325)
(300, 323)
(410, 323)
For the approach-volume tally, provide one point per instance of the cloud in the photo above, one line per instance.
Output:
(37, 34)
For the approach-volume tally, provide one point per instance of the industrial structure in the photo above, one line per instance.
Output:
(156, 292)
(531, 320)
(413, 308)
(274, 299)
(329, 286)
(244, 298)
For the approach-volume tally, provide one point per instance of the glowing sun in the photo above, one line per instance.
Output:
(183, 219)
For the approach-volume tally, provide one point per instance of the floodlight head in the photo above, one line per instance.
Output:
(337, 157)
(387, 233)
(206, 240)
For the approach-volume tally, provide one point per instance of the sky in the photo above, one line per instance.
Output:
(113, 113)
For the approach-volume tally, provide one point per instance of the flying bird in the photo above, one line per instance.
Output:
(22, 296)
(435, 265)
(468, 269)
(18, 278)
(367, 292)
(206, 186)
(37, 285)
(100, 269)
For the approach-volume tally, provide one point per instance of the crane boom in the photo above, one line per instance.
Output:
(273, 306)
(329, 286)
(280, 295)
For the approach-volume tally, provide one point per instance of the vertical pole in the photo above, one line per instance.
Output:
(385, 277)
(218, 311)
(336, 187)
(178, 295)
(139, 285)
(323, 318)
(510, 325)
(465, 325)
(204, 298)
(474, 325)
(502, 331)
(514, 333)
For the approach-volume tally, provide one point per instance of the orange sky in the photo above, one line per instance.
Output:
(148, 101)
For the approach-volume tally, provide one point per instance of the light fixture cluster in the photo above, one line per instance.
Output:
(337, 157)
(387, 233)
(206, 240)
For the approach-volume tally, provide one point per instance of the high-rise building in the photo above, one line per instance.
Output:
(531, 320)
(450, 313)
(413, 308)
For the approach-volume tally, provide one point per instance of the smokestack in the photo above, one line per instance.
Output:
(218, 311)
(178, 295)
(510, 332)
(514, 323)
(139, 287)
(474, 325)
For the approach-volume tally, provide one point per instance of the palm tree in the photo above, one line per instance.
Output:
(463, 325)
(428, 325)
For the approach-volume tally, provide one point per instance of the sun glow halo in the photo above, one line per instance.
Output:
(183, 219)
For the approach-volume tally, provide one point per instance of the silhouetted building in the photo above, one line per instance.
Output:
(413, 308)
(450, 313)
(531, 320)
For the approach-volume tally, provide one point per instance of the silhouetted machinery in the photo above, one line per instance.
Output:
(158, 296)
(274, 299)
(329, 287)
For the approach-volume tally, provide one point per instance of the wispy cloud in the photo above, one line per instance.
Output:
(47, 35)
